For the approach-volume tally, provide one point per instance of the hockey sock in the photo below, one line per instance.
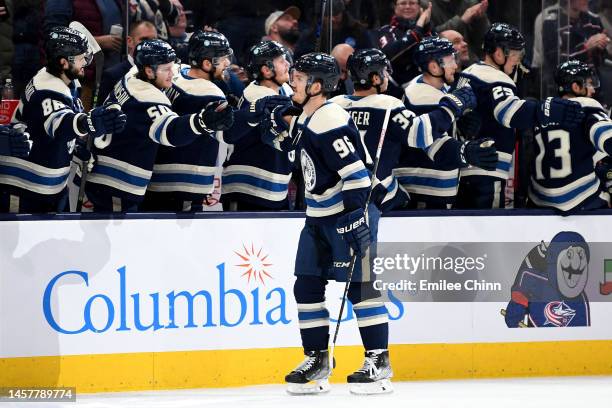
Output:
(313, 316)
(372, 319)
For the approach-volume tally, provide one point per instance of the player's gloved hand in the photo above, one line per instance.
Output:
(263, 106)
(459, 101)
(480, 153)
(105, 119)
(217, 115)
(14, 141)
(355, 230)
(566, 113)
(82, 155)
(469, 125)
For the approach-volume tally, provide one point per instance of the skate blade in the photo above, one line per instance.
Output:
(377, 387)
(313, 387)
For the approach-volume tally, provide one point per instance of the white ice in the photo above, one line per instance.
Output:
(574, 392)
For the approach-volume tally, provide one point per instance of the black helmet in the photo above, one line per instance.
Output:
(573, 71)
(207, 45)
(153, 53)
(504, 36)
(65, 42)
(263, 54)
(320, 66)
(432, 49)
(362, 64)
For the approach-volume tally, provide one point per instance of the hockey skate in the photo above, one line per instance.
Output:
(374, 376)
(311, 376)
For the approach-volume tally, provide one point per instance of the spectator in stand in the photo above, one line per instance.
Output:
(460, 46)
(162, 13)
(139, 31)
(409, 24)
(6, 40)
(178, 37)
(27, 20)
(341, 53)
(564, 31)
(468, 17)
(282, 27)
(345, 30)
(366, 11)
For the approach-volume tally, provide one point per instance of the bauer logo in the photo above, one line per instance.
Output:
(118, 305)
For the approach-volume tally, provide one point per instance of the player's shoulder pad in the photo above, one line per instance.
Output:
(196, 86)
(144, 92)
(588, 103)
(419, 93)
(254, 92)
(379, 101)
(327, 118)
(487, 74)
(44, 81)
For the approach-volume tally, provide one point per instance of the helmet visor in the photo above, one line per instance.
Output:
(224, 60)
(84, 59)
(518, 54)
(448, 61)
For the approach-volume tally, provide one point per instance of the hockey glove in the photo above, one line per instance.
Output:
(565, 113)
(355, 230)
(14, 141)
(82, 155)
(215, 116)
(106, 119)
(263, 106)
(459, 101)
(469, 125)
(480, 153)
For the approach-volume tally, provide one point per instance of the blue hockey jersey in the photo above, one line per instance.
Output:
(332, 158)
(124, 161)
(188, 171)
(428, 173)
(255, 172)
(500, 110)
(563, 172)
(51, 109)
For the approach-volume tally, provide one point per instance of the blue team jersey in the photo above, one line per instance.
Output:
(563, 172)
(544, 305)
(188, 171)
(256, 172)
(427, 173)
(332, 158)
(51, 110)
(500, 110)
(124, 161)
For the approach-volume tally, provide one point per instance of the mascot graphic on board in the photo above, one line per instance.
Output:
(548, 290)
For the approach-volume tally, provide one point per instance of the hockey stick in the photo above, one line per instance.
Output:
(94, 48)
(381, 140)
(320, 27)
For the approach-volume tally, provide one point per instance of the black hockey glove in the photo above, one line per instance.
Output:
(217, 115)
(355, 230)
(565, 113)
(459, 101)
(105, 119)
(14, 141)
(469, 125)
(480, 153)
(263, 106)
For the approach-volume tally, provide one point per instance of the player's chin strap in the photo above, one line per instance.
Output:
(308, 95)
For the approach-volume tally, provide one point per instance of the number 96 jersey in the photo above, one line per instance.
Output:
(331, 156)
(563, 172)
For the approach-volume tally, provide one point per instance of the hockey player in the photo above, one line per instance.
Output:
(369, 70)
(183, 176)
(256, 176)
(501, 111)
(124, 162)
(337, 183)
(51, 109)
(563, 173)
